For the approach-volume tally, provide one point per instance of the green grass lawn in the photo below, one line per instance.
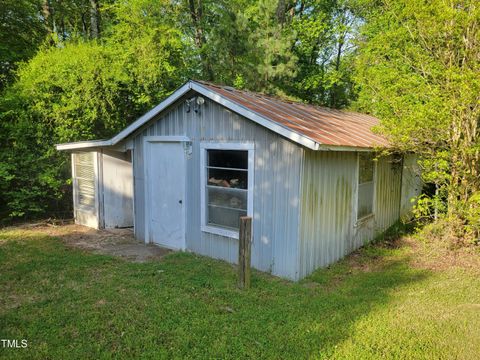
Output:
(375, 304)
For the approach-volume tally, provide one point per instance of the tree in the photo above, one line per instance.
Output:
(94, 19)
(419, 71)
(21, 33)
(246, 43)
(273, 55)
(325, 32)
(153, 51)
(78, 91)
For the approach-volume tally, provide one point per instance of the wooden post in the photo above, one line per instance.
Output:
(244, 252)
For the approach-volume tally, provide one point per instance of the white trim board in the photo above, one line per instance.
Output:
(165, 139)
(83, 145)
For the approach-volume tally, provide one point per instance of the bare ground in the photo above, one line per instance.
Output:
(423, 252)
(440, 255)
(115, 242)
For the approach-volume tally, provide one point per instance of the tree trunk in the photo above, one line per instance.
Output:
(84, 26)
(280, 13)
(94, 19)
(47, 15)
(196, 14)
(48, 12)
(338, 59)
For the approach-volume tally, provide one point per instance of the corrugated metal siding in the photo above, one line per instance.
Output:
(328, 204)
(412, 184)
(387, 193)
(117, 175)
(327, 208)
(276, 190)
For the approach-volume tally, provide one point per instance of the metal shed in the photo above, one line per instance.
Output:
(184, 172)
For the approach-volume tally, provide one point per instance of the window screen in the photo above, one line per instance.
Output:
(85, 179)
(226, 187)
(366, 172)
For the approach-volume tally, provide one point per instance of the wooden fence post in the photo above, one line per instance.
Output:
(244, 252)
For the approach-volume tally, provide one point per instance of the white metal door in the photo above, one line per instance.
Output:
(165, 193)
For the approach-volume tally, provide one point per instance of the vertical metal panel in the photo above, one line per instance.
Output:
(117, 189)
(276, 189)
(388, 192)
(327, 209)
(328, 229)
(412, 184)
(139, 190)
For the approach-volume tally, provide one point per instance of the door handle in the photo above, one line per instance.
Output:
(180, 201)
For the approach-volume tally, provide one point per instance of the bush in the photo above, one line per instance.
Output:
(76, 91)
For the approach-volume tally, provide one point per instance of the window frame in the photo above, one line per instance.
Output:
(374, 181)
(204, 147)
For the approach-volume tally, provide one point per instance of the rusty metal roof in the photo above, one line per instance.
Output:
(323, 125)
(308, 125)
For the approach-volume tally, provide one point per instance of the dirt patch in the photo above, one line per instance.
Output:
(419, 251)
(116, 242)
(422, 251)
(439, 255)
(14, 301)
(357, 262)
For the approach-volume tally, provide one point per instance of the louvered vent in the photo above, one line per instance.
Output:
(85, 179)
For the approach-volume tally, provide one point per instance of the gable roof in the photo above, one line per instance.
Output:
(314, 127)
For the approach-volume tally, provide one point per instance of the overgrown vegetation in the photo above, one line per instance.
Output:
(389, 300)
(77, 70)
(419, 71)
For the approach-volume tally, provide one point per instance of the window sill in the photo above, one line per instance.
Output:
(364, 219)
(220, 231)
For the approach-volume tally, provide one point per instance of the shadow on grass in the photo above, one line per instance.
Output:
(312, 321)
(77, 305)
